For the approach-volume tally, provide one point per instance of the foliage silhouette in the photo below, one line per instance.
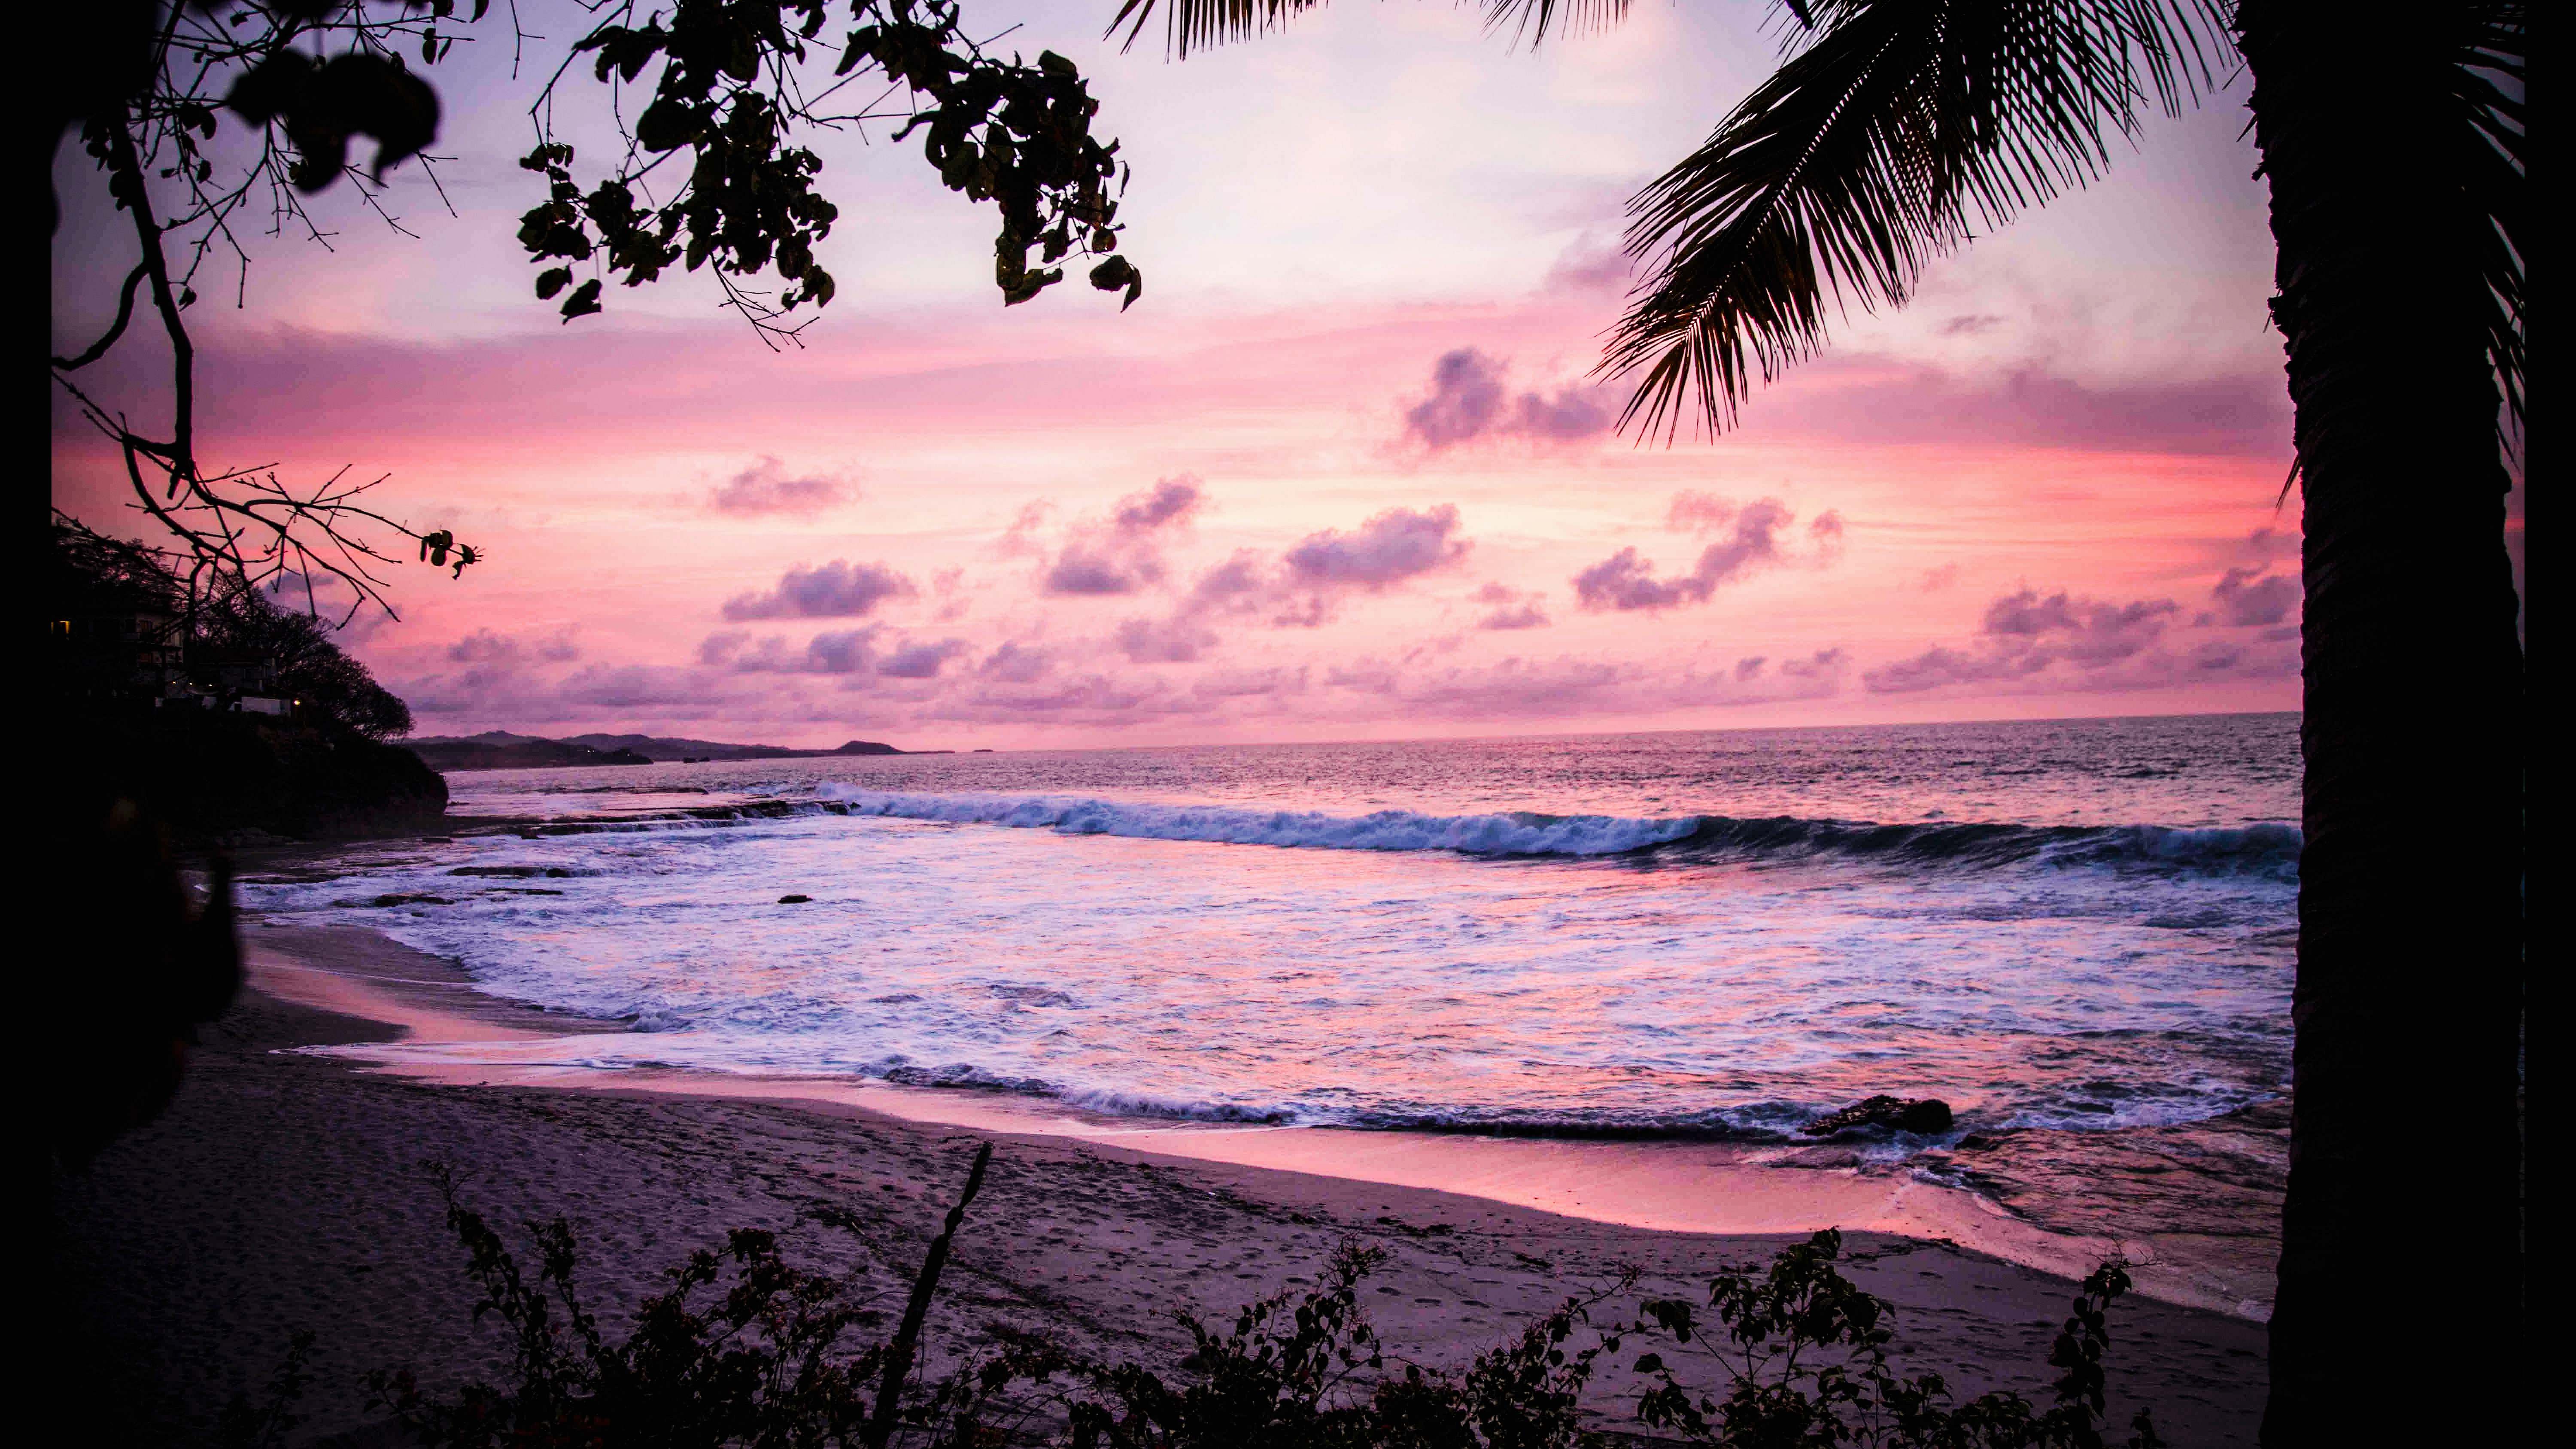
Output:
(745, 1349)
(714, 176)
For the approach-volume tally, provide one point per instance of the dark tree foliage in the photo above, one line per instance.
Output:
(717, 126)
(744, 1348)
(90, 571)
(311, 670)
(716, 175)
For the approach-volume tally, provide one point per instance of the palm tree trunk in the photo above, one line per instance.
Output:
(2400, 1302)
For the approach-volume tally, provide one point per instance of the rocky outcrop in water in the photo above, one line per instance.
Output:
(1921, 1115)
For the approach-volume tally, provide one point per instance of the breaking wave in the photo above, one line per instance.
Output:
(2267, 849)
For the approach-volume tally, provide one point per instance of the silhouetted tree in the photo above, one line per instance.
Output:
(2393, 140)
(713, 177)
(311, 670)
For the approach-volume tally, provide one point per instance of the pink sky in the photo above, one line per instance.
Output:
(1340, 473)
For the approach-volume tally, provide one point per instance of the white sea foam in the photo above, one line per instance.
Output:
(1510, 834)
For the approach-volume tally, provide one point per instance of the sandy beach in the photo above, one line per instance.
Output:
(292, 1189)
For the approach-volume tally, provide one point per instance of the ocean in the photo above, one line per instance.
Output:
(2075, 925)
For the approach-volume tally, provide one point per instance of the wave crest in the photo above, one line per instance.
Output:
(2267, 849)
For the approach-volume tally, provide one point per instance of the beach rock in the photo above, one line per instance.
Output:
(794, 900)
(1884, 1113)
(413, 900)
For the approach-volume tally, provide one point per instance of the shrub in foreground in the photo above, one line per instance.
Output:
(745, 1349)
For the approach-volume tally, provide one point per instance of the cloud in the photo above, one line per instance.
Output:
(764, 487)
(840, 651)
(838, 590)
(1123, 555)
(1470, 401)
(1085, 571)
(1391, 547)
(2248, 597)
(1825, 536)
(1169, 501)
(1509, 608)
(2264, 545)
(851, 655)
(483, 646)
(1626, 580)
(630, 686)
(1590, 264)
(1236, 585)
(1566, 687)
(921, 660)
(1935, 580)
(1164, 641)
(1016, 663)
(2062, 641)
(1225, 684)
(1020, 540)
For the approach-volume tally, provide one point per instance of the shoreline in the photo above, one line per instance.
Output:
(287, 1188)
(453, 1035)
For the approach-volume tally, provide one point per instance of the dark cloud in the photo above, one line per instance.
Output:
(765, 487)
(1393, 546)
(838, 590)
(1626, 580)
(1470, 401)
(1123, 555)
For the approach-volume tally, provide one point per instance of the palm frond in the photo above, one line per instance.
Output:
(2488, 84)
(1533, 19)
(1197, 24)
(1875, 148)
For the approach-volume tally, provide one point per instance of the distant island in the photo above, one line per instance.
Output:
(502, 750)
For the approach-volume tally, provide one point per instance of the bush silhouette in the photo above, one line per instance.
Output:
(745, 1349)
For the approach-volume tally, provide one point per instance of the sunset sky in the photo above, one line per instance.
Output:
(1341, 473)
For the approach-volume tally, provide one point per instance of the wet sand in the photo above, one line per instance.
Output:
(290, 1189)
